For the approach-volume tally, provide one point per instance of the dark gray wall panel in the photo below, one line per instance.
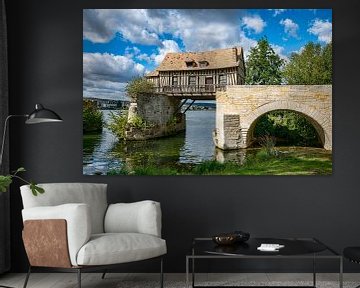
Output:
(45, 49)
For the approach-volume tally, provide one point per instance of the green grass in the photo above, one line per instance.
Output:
(292, 163)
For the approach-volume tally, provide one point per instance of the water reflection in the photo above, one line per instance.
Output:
(102, 152)
(237, 156)
(199, 145)
(156, 152)
(96, 156)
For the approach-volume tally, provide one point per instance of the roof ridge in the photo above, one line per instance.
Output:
(207, 51)
(217, 59)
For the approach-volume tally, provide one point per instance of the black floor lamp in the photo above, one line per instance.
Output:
(39, 115)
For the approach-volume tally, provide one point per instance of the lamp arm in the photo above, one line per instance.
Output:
(4, 134)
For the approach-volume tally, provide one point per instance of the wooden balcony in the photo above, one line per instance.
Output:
(206, 92)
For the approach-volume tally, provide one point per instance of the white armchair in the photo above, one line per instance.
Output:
(72, 228)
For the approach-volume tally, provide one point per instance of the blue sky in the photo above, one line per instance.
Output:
(119, 44)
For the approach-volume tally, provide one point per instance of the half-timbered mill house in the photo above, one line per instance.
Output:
(198, 75)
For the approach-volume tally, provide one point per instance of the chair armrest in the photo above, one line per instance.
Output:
(78, 223)
(138, 217)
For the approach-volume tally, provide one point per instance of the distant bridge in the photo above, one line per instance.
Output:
(109, 103)
(239, 107)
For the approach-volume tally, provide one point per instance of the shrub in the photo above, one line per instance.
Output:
(139, 86)
(92, 117)
(268, 143)
(140, 123)
(118, 124)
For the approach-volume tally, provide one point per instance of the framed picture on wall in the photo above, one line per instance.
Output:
(207, 92)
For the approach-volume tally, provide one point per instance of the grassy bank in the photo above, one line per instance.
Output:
(289, 163)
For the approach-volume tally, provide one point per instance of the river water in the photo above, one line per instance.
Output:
(103, 152)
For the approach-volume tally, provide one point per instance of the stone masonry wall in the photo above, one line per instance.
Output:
(161, 115)
(239, 107)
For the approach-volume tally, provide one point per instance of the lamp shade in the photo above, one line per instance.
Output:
(42, 115)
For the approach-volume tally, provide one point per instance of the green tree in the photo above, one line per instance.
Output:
(92, 117)
(288, 127)
(263, 65)
(139, 86)
(312, 66)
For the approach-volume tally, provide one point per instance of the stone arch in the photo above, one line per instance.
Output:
(321, 122)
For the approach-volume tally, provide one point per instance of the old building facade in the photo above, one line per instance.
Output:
(188, 75)
(199, 74)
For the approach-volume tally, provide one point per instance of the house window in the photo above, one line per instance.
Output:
(222, 79)
(175, 80)
(190, 63)
(192, 80)
(209, 80)
(203, 64)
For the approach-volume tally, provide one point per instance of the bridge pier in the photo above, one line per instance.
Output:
(154, 116)
(239, 107)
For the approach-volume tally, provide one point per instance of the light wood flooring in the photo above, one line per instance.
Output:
(114, 280)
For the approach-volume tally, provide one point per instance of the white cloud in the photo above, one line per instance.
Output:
(167, 47)
(131, 52)
(104, 89)
(111, 67)
(322, 29)
(254, 23)
(101, 25)
(198, 34)
(143, 57)
(106, 74)
(94, 28)
(277, 11)
(290, 27)
(246, 43)
(145, 27)
(280, 51)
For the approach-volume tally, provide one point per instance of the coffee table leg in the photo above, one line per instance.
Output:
(314, 271)
(341, 273)
(187, 272)
(193, 272)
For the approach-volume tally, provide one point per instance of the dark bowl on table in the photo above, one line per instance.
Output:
(225, 239)
(231, 238)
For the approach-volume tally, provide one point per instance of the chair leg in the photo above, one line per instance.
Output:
(79, 277)
(103, 275)
(27, 277)
(161, 273)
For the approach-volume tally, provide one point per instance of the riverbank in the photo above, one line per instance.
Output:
(295, 162)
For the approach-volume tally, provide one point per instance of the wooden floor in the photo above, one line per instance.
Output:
(114, 280)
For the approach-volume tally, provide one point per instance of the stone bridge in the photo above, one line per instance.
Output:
(239, 108)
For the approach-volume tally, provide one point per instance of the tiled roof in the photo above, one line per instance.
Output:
(215, 59)
(153, 73)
